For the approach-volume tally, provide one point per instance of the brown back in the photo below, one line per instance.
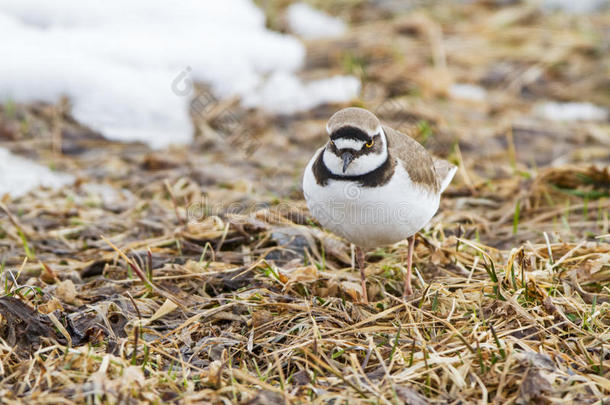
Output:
(415, 158)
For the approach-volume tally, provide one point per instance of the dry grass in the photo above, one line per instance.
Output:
(150, 288)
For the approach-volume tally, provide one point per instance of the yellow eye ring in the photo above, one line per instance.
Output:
(370, 144)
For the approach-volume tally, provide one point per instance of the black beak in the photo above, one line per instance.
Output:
(347, 159)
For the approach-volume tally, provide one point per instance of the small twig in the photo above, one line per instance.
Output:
(14, 220)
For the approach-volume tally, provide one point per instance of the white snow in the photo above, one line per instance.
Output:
(123, 64)
(104, 194)
(576, 111)
(310, 23)
(465, 91)
(19, 175)
(286, 94)
(575, 6)
(129, 67)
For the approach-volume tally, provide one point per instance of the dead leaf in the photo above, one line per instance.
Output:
(260, 318)
(24, 325)
(533, 388)
(52, 305)
(264, 397)
(214, 372)
(354, 290)
(167, 307)
(409, 396)
(306, 274)
(66, 292)
(334, 246)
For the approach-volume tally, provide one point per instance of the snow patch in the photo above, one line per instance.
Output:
(577, 111)
(310, 23)
(118, 61)
(284, 93)
(575, 6)
(19, 175)
(467, 91)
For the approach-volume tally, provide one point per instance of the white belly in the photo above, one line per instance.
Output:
(370, 216)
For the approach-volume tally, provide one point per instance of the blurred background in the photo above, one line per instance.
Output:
(228, 100)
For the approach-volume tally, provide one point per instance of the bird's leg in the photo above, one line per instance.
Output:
(408, 290)
(360, 261)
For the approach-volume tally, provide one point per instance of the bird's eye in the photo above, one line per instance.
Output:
(370, 144)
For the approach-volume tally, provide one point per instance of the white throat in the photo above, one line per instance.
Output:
(360, 165)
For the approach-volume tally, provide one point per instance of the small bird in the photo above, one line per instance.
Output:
(373, 185)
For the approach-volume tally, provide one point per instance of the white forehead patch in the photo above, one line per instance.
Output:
(360, 165)
(343, 143)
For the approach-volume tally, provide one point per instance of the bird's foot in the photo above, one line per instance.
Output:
(408, 292)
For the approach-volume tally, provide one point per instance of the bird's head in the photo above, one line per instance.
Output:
(357, 144)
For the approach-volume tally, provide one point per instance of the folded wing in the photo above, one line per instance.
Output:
(444, 172)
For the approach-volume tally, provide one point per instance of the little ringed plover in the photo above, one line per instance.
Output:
(373, 185)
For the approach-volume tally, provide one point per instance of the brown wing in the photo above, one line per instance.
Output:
(416, 160)
(444, 172)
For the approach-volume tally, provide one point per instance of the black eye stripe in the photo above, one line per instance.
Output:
(375, 148)
(349, 132)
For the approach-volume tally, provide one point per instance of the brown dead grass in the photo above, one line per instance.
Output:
(196, 275)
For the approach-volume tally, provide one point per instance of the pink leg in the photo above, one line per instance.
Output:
(360, 261)
(408, 290)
